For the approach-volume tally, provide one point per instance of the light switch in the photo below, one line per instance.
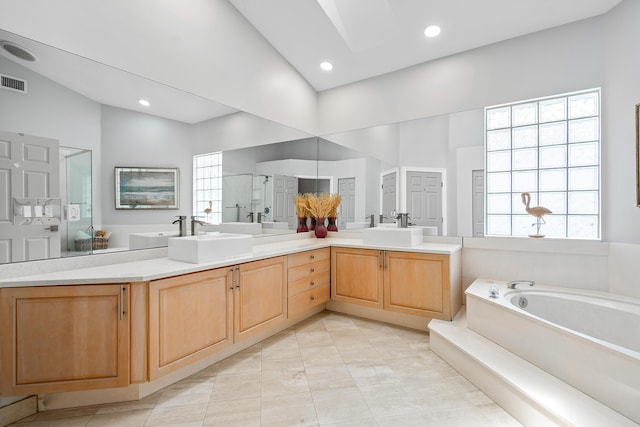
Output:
(48, 211)
(26, 211)
(73, 212)
(37, 211)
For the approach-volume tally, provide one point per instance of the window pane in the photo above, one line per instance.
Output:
(553, 110)
(555, 202)
(499, 118)
(498, 182)
(584, 105)
(583, 226)
(553, 133)
(525, 137)
(553, 157)
(525, 159)
(585, 154)
(554, 226)
(583, 202)
(499, 225)
(583, 178)
(583, 130)
(553, 180)
(499, 140)
(522, 225)
(499, 203)
(525, 114)
(525, 181)
(498, 161)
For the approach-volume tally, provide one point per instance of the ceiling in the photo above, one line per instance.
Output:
(388, 35)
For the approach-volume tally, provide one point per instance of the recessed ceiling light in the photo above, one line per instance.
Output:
(432, 31)
(144, 102)
(327, 66)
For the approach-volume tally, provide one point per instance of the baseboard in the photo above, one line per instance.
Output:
(18, 410)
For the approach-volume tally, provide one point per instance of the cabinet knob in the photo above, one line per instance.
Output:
(312, 283)
(312, 256)
(312, 270)
(312, 297)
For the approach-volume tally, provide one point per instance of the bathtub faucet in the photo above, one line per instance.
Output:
(512, 285)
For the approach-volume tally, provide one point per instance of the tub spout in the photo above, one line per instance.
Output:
(512, 284)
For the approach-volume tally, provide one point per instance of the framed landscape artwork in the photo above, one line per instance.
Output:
(147, 188)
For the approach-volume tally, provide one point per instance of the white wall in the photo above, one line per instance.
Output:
(621, 91)
(132, 139)
(558, 60)
(204, 47)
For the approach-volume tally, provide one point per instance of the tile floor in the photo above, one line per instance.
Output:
(330, 370)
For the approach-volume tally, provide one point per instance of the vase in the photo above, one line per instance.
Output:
(302, 225)
(332, 224)
(312, 224)
(321, 229)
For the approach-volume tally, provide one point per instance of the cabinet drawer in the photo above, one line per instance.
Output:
(308, 270)
(308, 283)
(305, 301)
(301, 258)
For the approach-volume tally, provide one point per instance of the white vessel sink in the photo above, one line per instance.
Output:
(150, 240)
(387, 236)
(354, 225)
(278, 225)
(253, 228)
(209, 247)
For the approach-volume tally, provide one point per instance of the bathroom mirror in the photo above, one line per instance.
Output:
(87, 107)
(447, 149)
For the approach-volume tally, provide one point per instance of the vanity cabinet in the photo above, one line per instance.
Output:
(198, 314)
(190, 317)
(260, 295)
(419, 284)
(64, 338)
(308, 280)
(356, 276)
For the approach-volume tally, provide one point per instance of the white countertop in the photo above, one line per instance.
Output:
(157, 268)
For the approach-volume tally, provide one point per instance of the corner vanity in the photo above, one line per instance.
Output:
(124, 330)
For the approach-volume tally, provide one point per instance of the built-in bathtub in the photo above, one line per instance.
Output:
(590, 340)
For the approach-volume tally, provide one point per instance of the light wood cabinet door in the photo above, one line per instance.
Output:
(190, 317)
(416, 283)
(64, 338)
(356, 276)
(260, 295)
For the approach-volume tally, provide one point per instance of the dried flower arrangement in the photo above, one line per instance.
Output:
(300, 201)
(323, 206)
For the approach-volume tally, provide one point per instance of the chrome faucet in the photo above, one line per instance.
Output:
(512, 284)
(372, 220)
(195, 223)
(182, 224)
(250, 216)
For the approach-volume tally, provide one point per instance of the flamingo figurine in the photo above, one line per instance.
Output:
(536, 211)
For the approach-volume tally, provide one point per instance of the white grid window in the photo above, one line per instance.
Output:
(550, 148)
(207, 187)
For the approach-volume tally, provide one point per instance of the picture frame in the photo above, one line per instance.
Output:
(638, 155)
(147, 188)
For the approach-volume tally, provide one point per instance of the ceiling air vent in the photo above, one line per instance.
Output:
(13, 83)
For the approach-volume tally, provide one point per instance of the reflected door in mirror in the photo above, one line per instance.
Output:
(29, 204)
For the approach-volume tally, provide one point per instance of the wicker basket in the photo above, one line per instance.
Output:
(84, 245)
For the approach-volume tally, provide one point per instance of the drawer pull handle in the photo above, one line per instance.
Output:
(312, 256)
(312, 283)
(312, 298)
(312, 270)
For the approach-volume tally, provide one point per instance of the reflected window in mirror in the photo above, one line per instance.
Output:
(542, 161)
(207, 187)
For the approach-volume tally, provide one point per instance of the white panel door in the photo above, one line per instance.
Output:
(29, 196)
(347, 210)
(389, 191)
(424, 198)
(477, 207)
